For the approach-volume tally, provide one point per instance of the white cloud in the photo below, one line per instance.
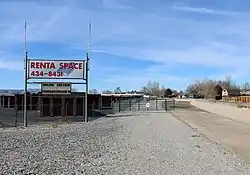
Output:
(11, 61)
(11, 65)
(138, 78)
(205, 10)
(160, 37)
(115, 4)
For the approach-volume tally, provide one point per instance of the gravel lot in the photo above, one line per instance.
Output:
(154, 143)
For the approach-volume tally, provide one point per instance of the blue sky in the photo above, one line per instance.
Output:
(133, 41)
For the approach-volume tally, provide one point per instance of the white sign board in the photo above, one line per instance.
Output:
(56, 69)
(54, 88)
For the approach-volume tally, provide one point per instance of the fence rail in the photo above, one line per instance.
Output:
(143, 105)
(48, 112)
(241, 99)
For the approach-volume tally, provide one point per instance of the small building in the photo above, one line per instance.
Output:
(220, 92)
(224, 93)
(245, 93)
(230, 93)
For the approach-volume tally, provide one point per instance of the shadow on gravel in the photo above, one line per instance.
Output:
(2, 125)
(119, 115)
(9, 118)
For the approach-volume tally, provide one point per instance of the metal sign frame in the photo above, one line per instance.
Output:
(84, 69)
(26, 76)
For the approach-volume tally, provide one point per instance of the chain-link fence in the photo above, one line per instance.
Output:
(143, 105)
(43, 110)
(47, 113)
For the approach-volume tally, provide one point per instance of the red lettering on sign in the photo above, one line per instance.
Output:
(52, 66)
(70, 65)
(80, 66)
(32, 65)
(37, 73)
(42, 65)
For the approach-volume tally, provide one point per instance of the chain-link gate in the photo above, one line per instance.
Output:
(170, 105)
(143, 105)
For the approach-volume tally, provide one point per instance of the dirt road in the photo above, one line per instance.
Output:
(229, 130)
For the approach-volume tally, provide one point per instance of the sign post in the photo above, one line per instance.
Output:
(87, 75)
(86, 90)
(56, 69)
(25, 77)
(53, 69)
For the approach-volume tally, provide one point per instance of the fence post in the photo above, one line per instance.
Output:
(74, 106)
(166, 105)
(66, 111)
(139, 106)
(130, 104)
(8, 102)
(51, 107)
(156, 105)
(16, 109)
(63, 106)
(119, 105)
(93, 104)
(112, 106)
(1, 105)
(31, 103)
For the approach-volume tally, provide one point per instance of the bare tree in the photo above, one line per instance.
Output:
(152, 88)
(181, 92)
(118, 90)
(205, 88)
(107, 92)
(245, 86)
(162, 91)
(93, 91)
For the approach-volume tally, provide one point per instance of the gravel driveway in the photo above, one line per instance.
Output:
(154, 143)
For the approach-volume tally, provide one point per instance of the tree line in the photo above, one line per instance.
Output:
(201, 88)
(152, 88)
(206, 87)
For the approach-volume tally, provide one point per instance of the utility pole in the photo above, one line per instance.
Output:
(87, 75)
(25, 76)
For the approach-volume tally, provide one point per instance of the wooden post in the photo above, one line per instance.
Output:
(74, 106)
(51, 107)
(156, 104)
(38, 104)
(16, 109)
(100, 102)
(31, 102)
(63, 107)
(93, 106)
(1, 104)
(9, 102)
(119, 101)
(22, 102)
(84, 106)
(41, 107)
(130, 104)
